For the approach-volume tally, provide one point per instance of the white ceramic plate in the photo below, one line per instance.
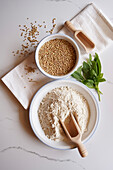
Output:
(34, 120)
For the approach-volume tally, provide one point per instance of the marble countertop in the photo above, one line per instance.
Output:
(19, 147)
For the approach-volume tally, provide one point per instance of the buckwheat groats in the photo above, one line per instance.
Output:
(57, 57)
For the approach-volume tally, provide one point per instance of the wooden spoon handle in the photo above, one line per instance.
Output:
(82, 150)
(70, 26)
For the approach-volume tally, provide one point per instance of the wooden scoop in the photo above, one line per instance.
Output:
(73, 132)
(81, 37)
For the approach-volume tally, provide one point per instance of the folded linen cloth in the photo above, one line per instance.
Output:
(95, 24)
(25, 79)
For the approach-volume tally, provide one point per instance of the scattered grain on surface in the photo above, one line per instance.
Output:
(29, 69)
(53, 20)
(30, 33)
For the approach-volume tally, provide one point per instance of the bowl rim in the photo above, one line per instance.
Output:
(92, 95)
(37, 60)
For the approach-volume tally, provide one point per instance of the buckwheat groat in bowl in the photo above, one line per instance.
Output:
(57, 56)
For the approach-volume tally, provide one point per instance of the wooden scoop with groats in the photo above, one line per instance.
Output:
(81, 37)
(74, 133)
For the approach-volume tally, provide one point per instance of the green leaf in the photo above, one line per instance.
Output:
(98, 63)
(100, 75)
(79, 70)
(86, 70)
(93, 74)
(101, 79)
(77, 76)
(90, 73)
(94, 67)
(90, 60)
(90, 57)
(86, 67)
(89, 83)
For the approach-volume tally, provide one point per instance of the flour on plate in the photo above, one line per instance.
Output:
(59, 103)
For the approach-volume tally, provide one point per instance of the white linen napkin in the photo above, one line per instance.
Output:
(95, 24)
(25, 79)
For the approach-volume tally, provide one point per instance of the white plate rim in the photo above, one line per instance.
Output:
(92, 95)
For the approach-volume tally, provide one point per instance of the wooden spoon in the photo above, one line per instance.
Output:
(81, 37)
(73, 132)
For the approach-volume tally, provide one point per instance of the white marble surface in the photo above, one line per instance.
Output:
(19, 148)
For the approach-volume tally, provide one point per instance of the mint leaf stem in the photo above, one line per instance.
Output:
(90, 73)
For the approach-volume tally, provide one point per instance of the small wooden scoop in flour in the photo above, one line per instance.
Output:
(73, 132)
(81, 37)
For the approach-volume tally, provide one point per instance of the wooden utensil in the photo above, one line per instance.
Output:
(81, 37)
(73, 132)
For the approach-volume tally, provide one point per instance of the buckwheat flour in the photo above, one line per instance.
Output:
(59, 103)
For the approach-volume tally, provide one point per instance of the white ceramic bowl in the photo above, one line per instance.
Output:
(58, 36)
(34, 119)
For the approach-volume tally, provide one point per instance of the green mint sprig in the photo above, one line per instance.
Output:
(90, 73)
